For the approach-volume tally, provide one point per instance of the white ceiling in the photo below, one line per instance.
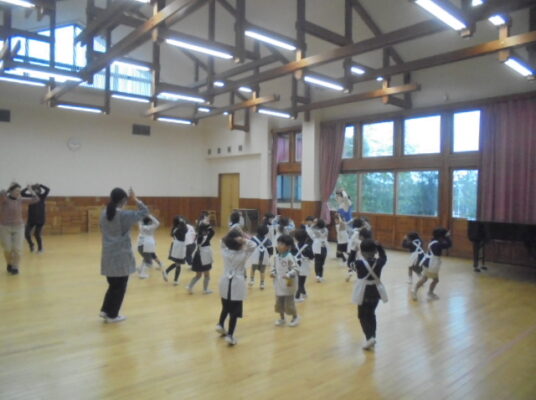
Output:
(473, 79)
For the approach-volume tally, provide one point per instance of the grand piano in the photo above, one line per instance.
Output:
(481, 232)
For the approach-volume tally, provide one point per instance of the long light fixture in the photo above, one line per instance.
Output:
(203, 109)
(180, 97)
(80, 108)
(357, 70)
(45, 75)
(442, 14)
(274, 113)
(245, 89)
(497, 20)
(270, 40)
(130, 98)
(20, 3)
(475, 3)
(21, 81)
(178, 121)
(323, 83)
(219, 83)
(133, 65)
(201, 49)
(519, 66)
(143, 1)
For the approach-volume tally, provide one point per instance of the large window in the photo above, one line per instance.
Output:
(283, 148)
(348, 150)
(378, 139)
(418, 193)
(377, 192)
(422, 135)
(289, 191)
(464, 193)
(71, 56)
(466, 131)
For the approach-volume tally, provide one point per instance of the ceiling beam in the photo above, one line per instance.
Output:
(466, 53)
(107, 19)
(359, 97)
(178, 8)
(325, 34)
(253, 102)
(374, 28)
(365, 46)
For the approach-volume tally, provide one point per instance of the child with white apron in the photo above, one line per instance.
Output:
(319, 233)
(202, 256)
(432, 262)
(177, 252)
(413, 243)
(261, 256)
(369, 289)
(147, 245)
(303, 253)
(236, 250)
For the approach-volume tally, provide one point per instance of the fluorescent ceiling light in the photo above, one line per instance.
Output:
(219, 84)
(357, 70)
(80, 108)
(323, 83)
(130, 98)
(203, 109)
(20, 3)
(518, 66)
(200, 49)
(175, 120)
(245, 89)
(379, 78)
(442, 14)
(270, 40)
(274, 113)
(21, 81)
(143, 1)
(178, 97)
(132, 65)
(45, 75)
(477, 3)
(497, 20)
(226, 113)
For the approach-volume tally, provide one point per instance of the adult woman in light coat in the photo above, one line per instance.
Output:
(118, 261)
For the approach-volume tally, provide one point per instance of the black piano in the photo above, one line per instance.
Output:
(481, 232)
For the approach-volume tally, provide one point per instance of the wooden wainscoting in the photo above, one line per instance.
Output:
(81, 214)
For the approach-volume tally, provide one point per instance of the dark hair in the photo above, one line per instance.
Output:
(177, 220)
(283, 223)
(268, 216)
(357, 223)
(13, 186)
(300, 235)
(203, 215)
(365, 234)
(320, 224)
(235, 217)
(230, 240)
(262, 230)
(116, 196)
(147, 221)
(37, 188)
(368, 246)
(309, 218)
(439, 233)
(413, 236)
(286, 240)
(202, 228)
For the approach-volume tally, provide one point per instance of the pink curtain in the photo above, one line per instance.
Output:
(283, 148)
(331, 146)
(508, 164)
(275, 157)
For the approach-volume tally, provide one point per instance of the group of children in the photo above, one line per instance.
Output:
(288, 253)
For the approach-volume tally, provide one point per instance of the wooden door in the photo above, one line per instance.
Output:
(229, 196)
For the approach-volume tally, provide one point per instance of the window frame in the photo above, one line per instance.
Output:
(293, 200)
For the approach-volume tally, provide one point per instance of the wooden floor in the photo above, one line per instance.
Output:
(477, 342)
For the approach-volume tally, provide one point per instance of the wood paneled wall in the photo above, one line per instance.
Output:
(81, 214)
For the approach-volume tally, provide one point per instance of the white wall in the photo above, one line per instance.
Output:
(33, 148)
(253, 163)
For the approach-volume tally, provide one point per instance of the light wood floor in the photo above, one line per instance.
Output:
(477, 342)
